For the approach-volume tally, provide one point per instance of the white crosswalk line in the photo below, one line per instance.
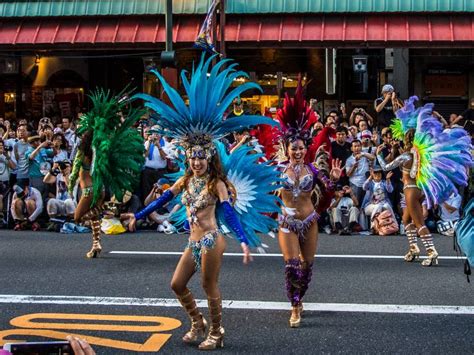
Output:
(238, 304)
(342, 256)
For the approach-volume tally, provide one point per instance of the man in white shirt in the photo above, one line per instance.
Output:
(64, 205)
(27, 205)
(155, 161)
(357, 166)
(71, 137)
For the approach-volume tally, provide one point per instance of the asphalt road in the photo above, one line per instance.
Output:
(353, 275)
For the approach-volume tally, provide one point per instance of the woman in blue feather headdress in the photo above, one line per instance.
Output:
(206, 189)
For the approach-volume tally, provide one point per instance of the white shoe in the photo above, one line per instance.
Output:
(168, 228)
(327, 230)
(160, 228)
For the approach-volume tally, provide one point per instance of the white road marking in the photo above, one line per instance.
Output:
(342, 256)
(229, 304)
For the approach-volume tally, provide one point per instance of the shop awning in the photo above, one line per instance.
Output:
(327, 30)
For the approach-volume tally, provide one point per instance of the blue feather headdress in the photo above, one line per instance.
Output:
(196, 125)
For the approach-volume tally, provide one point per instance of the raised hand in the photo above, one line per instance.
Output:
(132, 225)
(336, 169)
(247, 256)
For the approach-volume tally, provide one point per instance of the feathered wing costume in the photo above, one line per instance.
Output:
(407, 117)
(117, 146)
(254, 183)
(200, 124)
(442, 157)
(117, 153)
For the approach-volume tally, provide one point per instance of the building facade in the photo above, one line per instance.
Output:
(53, 52)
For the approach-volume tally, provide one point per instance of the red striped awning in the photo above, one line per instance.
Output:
(406, 30)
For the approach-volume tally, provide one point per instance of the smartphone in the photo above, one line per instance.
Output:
(40, 348)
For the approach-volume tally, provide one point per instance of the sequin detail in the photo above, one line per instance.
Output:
(196, 197)
(201, 246)
(300, 184)
(297, 226)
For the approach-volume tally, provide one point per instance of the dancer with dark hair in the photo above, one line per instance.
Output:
(298, 233)
(110, 154)
(212, 196)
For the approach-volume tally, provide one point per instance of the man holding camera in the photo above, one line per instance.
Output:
(359, 114)
(344, 211)
(6, 164)
(27, 205)
(386, 106)
(39, 155)
(19, 151)
(64, 204)
(155, 161)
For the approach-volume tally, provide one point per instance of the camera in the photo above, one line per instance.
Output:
(62, 165)
(8, 148)
(50, 348)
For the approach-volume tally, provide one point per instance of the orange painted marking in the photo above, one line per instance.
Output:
(36, 324)
(164, 323)
(153, 343)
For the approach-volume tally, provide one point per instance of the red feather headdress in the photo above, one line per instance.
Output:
(296, 117)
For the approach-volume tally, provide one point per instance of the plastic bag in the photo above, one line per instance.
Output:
(112, 226)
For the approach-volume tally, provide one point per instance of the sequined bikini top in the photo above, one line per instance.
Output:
(305, 183)
(196, 196)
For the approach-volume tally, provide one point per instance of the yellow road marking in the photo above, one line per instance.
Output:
(36, 324)
(164, 323)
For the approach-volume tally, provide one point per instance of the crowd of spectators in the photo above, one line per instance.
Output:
(35, 164)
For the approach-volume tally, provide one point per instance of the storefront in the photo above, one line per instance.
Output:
(344, 51)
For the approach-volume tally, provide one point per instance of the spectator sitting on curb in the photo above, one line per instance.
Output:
(63, 205)
(27, 205)
(345, 205)
(449, 214)
(376, 198)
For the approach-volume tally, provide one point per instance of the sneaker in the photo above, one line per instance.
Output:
(339, 227)
(327, 230)
(170, 229)
(161, 228)
(18, 227)
(35, 227)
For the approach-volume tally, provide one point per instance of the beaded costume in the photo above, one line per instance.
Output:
(437, 162)
(296, 119)
(115, 159)
(197, 127)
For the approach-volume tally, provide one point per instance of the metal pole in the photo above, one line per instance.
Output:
(222, 28)
(169, 25)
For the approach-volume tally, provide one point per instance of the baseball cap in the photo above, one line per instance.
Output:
(162, 181)
(388, 88)
(366, 134)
